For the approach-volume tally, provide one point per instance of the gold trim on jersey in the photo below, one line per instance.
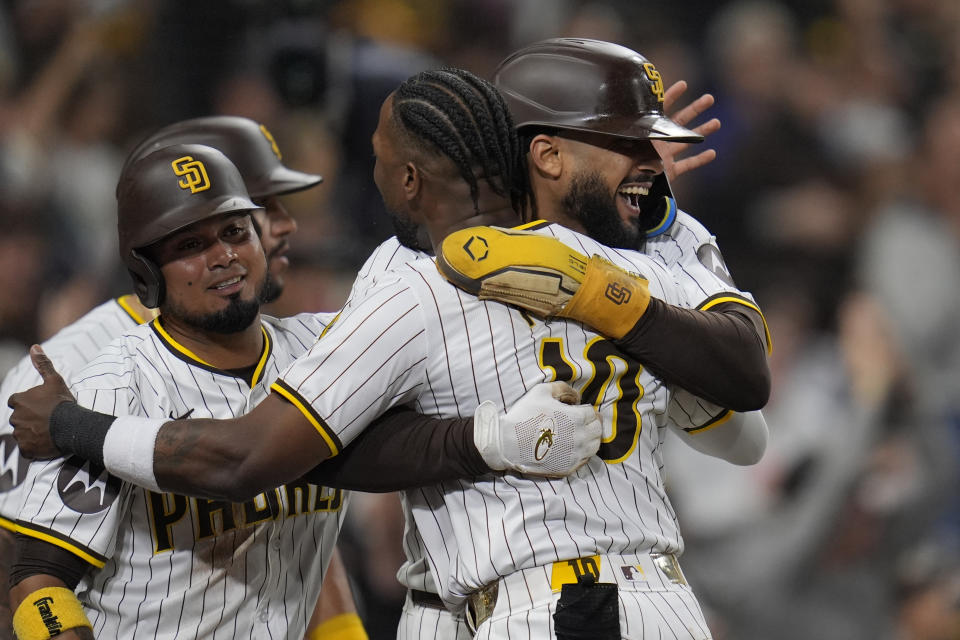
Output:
(58, 540)
(533, 224)
(329, 324)
(131, 304)
(713, 422)
(9, 525)
(190, 357)
(168, 339)
(267, 348)
(294, 398)
(732, 297)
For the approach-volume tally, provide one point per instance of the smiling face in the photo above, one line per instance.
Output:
(215, 272)
(607, 181)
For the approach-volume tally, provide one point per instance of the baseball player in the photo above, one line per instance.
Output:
(177, 233)
(390, 325)
(70, 348)
(720, 355)
(251, 147)
(254, 151)
(162, 563)
(174, 367)
(585, 109)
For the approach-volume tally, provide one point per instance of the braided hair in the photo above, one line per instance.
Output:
(463, 117)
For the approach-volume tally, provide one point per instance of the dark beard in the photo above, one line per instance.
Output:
(237, 316)
(271, 289)
(407, 232)
(589, 202)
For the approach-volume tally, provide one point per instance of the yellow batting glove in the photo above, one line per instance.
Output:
(610, 299)
(541, 274)
(533, 271)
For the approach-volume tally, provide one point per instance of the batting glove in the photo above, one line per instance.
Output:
(545, 433)
(541, 274)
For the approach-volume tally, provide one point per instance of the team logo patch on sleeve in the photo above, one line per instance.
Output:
(711, 259)
(13, 468)
(86, 487)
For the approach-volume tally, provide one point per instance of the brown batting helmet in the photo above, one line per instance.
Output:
(248, 144)
(596, 86)
(166, 191)
(587, 85)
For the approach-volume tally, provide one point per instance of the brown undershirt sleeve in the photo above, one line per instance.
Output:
(719, 355)
(403, 449)
(35, 557)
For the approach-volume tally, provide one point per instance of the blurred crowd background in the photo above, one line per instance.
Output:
(835, 199)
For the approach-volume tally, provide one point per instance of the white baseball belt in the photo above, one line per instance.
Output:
(640, 571)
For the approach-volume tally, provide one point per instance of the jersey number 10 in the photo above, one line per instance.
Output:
(600, 356)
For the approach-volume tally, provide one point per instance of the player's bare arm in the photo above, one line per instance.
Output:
(42, 584)
(6, 557)
(216, 458)
(238, 458)
(232, 459)
(275, 443)
(336, 613)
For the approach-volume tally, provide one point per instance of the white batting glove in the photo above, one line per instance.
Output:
(545, 433)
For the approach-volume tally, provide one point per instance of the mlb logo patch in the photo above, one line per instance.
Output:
(633, 573)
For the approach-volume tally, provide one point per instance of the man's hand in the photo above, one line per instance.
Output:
(32, 409)
(545, 433)
(541, 274)
(669, 151)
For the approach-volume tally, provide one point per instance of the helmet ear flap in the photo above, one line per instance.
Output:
(148, 280)
(661, 210)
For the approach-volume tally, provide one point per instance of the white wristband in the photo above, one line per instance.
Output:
(128, 449)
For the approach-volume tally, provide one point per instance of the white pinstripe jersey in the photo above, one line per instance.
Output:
(692, 256)
(388, 255)
(69, 349)
(411, 338)
(691, 253)
(177, 567)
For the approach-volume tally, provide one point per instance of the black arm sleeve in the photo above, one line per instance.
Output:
(719, 355)
(8, 543)
(34, 557)
(403, 450)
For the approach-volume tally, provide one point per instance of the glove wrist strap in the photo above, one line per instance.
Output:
(610, 300)
(486, 435)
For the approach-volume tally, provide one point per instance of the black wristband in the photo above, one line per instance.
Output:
(79, 431)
